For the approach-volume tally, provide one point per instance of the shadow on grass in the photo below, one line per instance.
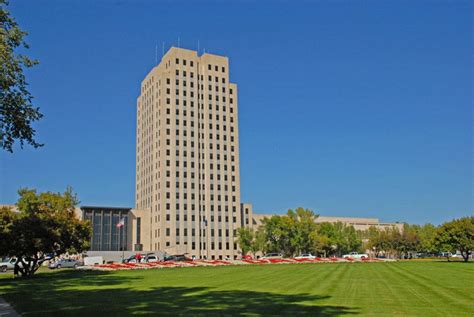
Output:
(103, 293)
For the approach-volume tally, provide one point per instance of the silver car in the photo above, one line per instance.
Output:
(64, 263)
(7, 264)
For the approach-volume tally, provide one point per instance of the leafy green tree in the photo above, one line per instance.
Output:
(302, 226)
(372, 237)
(276, 233)
(17, 112)
(290, 233)
(457, 235)
(409, 240)
(427, 235)
(244, 239)
(259, 242)
(321, 244)
(343, 238)
(45, 224)
(7, 217)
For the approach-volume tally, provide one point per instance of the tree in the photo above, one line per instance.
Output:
(244, 239)
(259, 242)
(6, 223)
(427, 234)
(17, 112)
(303, 225)
(276, 234)
(45, 225)
(291, 233)
(457, 235)
(321, 243)
(342, 238)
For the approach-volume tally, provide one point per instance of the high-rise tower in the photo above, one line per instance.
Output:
(187, 159)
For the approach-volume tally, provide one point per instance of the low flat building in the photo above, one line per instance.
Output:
(358, 223)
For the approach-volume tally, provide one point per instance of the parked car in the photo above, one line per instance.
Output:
(272, 256)
(7, 264)
(151, 257)
(306, 256)
(64, 263)
(133, 259)
(355, 255)
(180, 257)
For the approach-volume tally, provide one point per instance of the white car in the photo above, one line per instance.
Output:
(7, 264)
(355, 255)
(151, 258)
(306, 256)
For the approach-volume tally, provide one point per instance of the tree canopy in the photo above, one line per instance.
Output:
(297, 232)
(17, 112)
(457, 235)
(45, 226)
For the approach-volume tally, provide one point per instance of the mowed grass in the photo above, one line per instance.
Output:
(390, 289)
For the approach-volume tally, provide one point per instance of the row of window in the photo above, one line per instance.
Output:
(209, 66)
(185, 218)
(184, 62)
(211, 165)
(177, 101)
(193, 232)
(168, 90)
(203, 208)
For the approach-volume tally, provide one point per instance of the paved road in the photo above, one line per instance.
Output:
(6, 310)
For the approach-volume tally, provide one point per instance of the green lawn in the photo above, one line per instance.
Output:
(391, 289)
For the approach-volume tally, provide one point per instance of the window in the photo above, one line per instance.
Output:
(177, 61)
(209, 67)
(223, 69)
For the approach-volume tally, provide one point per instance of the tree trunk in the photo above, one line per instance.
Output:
(28, 267)
(465, 256)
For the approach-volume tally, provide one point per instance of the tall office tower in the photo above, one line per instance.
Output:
(187, 173)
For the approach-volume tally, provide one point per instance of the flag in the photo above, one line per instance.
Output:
(121, 223)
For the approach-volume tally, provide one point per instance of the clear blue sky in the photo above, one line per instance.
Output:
(350, 108)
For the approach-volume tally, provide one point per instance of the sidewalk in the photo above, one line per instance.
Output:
(6, 310)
